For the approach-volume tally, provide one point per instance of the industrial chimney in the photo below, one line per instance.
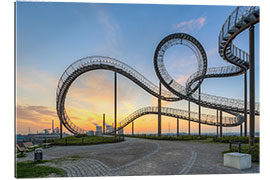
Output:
(52, 127)
(104, 123)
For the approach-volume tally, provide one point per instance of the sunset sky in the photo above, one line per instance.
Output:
(51, 36)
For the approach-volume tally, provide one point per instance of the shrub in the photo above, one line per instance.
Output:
(254, 151)
(85, 140)
(19, 155)
(227, 139)
(169, 138)
(80, 135)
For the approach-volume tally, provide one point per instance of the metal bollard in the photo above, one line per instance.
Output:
(65, 141)
(230, 145)
(239, 147)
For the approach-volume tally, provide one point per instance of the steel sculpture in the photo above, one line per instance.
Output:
(240, 19)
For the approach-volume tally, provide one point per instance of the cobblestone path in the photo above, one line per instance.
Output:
(86, 168)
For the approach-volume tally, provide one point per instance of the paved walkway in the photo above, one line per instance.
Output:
(136, 157)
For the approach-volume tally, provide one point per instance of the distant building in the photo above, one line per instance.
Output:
(121, 131)
(109, 128)
(46, 131)
(56, 130)
(90, 133)
(98, 130)
(20, 137)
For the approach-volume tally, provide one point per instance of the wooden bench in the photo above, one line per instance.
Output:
(29, 145)
(21, 149)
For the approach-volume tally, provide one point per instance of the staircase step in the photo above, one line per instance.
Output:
(222, 42)
(252, 17)
(256, 13)
(246, 64)
(240, 24)
(238, 60)
(247, 20)
(233, 30)
(226, 38)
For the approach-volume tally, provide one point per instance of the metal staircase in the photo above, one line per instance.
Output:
(181, 114)
(239, 20)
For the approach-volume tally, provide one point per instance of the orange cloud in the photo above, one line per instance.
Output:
(35, 117)
(34, 113)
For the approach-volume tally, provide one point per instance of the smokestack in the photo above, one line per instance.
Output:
(103, 123)
(52, 127)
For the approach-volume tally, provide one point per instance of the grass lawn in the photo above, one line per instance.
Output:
(30, 169)
(85, 140)
(19, 155)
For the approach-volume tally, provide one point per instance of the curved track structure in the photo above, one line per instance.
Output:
(181, 114)
(239, 20)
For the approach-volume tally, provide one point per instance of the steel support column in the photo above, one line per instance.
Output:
(220, 123)
(245, 103)
(189, 117)
(115, 103)
(132, 128)
(159, 110)
(61, 129)
(177, 133)
(241, 130)
(217, 123)
(104, 123)
(251, 86)
(199, 111)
